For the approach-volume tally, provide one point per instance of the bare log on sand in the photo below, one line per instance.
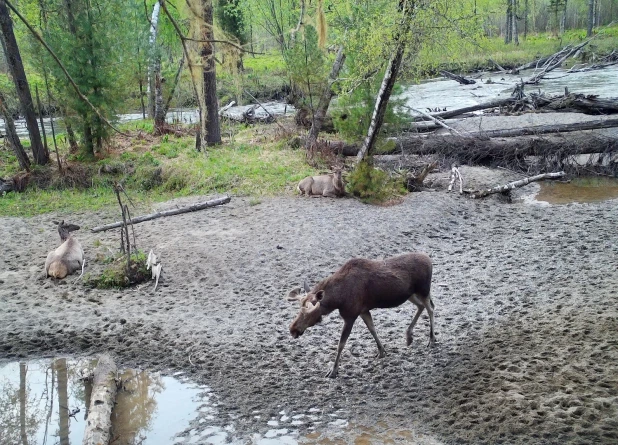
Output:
(516, 184)
(99, 423)
(191, 208)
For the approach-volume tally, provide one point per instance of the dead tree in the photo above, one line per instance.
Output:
(104, 388)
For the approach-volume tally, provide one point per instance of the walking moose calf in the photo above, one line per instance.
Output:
(361, 285)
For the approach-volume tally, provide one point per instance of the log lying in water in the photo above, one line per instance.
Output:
(99, 423)
(457, 78)
(516, 184)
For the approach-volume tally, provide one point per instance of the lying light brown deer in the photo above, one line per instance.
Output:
(330, 185)
(68, 257)
(361, 285)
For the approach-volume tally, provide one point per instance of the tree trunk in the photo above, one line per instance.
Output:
(152, 51)
(16, 67)
(174, 85)
(388, 82)
(508, 36)
(23, 396)
(514, 22)
(63, 400)
(516, 184)
(482, 106)
(590, 17)
(526, 14)
(13, 138)
(159, 115)
(98, 425)
(210, 131)
(325, 98)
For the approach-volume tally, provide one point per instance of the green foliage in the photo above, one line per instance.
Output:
(241, 168)
(231, 19)
(352, 115)
(373, 185)
(306, 65)
(115, 275)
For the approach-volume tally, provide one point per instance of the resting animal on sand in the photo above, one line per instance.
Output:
(68, 257)
(330, 185)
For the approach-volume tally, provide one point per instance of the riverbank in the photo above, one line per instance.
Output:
(525, 313)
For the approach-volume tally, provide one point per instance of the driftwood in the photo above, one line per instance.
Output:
(546, 129)
(455, 175)
(98, 424)
(589, 104)
(555, 61)
(482, 106)
(191, 208)
(457, 78)
(513, 185)
(415, 182)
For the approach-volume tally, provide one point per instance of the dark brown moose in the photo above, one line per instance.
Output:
(361, 285)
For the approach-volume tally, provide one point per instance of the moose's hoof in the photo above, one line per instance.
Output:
(332, 373)
(381, 353)
(408, 340)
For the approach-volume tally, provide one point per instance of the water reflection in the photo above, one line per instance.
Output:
(581, 190)
(45, 402)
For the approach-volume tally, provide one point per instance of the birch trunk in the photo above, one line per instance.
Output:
(388, 82)
(152, 40)
(325, 98)
(159, 115)
(98, 426)
(517, 184)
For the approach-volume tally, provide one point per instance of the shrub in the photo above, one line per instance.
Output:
(373, 185)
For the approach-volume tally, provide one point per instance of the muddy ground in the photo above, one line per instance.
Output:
(526, 316)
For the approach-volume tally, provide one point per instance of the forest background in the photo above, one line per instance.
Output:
(127, 56)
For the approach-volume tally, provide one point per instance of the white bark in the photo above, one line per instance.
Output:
(98, 426)
(154, 25)
(517, 184)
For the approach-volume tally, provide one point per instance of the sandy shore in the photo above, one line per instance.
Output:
(526, 315)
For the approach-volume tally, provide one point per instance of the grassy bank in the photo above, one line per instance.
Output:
(252, 162)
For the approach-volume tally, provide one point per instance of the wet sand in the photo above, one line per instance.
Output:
(526, 314)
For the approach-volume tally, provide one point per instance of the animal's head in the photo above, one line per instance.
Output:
(310, 313)
(65, 229)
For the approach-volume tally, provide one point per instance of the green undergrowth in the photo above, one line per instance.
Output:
(373, 185)
(154, 169)
(116, 275)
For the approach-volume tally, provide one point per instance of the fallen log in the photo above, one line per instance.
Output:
(516, 184)
(104, 388)
(555, 61)
(494, 103)
(477, 150)
(191, 208)
(546, 129)
(589, 104)
(457, 78)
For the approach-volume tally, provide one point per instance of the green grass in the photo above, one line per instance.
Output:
(169, 168)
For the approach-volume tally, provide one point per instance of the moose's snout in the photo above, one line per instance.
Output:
(295, 332)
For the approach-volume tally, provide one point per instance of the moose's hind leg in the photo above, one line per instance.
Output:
(420, 306)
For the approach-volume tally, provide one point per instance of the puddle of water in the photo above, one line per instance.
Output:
(582, 190)
(44, 402)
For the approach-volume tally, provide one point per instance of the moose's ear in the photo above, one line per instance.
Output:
(294, 294)
(319, 295)
(306, 286)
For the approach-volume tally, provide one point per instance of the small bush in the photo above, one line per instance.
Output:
(373, 185)
(116, 275)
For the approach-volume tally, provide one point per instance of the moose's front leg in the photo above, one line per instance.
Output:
(345, 333)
